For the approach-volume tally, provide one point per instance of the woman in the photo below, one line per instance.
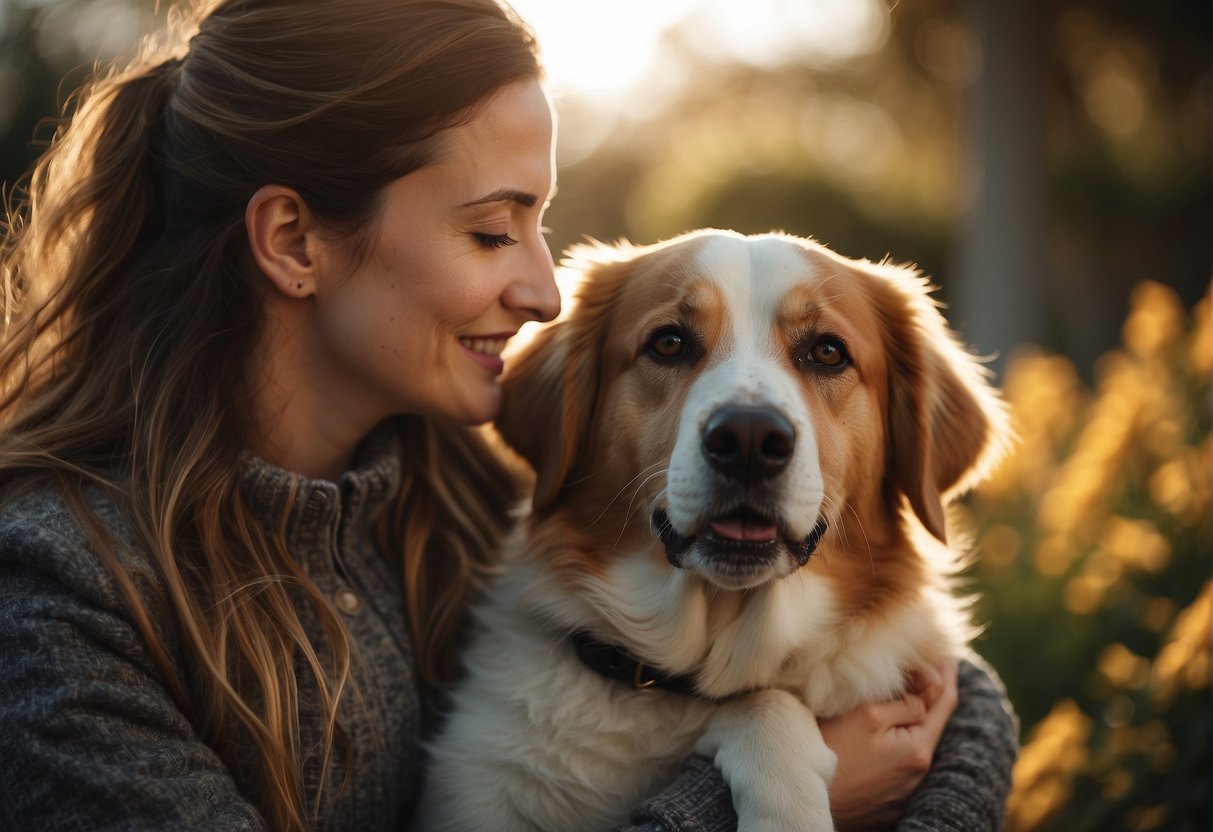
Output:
(259, 288)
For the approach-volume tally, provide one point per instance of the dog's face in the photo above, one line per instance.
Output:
(740, 398)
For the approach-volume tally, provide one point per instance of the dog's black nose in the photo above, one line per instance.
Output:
(748, 443)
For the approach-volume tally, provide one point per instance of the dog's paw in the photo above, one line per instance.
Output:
(770, 750)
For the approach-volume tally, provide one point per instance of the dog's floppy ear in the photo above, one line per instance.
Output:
(548, 395)
(550, 388)
(946, 424)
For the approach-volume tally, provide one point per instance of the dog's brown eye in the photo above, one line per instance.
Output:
(667, 343)
(829, 352)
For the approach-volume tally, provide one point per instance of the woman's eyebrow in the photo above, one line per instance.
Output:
(505, 195)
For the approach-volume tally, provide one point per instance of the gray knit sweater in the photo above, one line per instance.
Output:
(91, 739)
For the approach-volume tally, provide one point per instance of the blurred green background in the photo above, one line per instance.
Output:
(1048, 164)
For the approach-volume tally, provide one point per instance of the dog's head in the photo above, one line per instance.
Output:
(740, 397)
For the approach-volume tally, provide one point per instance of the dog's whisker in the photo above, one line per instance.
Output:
(833, 515)
(866, 541)
(632, 503)
(639, 488)
(645, 474)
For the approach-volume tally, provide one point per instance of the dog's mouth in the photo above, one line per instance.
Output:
(743, 526)
(739, 540)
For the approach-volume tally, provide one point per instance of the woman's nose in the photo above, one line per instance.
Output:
(534, 290)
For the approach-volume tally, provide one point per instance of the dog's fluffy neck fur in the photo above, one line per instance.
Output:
(734, 640)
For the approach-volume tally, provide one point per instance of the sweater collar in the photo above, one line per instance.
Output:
(301, 505)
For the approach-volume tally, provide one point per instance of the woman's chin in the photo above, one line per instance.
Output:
(482, 409)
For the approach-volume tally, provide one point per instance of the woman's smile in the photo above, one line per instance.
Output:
(486, 349)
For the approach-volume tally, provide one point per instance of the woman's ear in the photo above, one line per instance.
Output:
(280, 231)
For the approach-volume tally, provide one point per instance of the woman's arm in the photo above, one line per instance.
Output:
(697, 800)
(884, 750)
(89, 737)
(970, 776)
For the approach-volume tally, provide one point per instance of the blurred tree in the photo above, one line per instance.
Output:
(862, 154)
(1002, 268)
(28, 89)
(1130, 172)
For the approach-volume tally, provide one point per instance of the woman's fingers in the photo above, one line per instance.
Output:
(907, 711)
(884, 749)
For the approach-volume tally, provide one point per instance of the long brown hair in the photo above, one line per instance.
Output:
(130, 313)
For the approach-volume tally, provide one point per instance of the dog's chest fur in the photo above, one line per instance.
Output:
(580, 750)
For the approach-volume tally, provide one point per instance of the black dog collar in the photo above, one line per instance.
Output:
(616, 663)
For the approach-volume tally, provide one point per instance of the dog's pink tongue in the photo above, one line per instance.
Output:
(741, 528)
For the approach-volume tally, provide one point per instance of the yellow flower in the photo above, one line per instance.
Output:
(1182, 486)
(1045, 397)
(1054, 554)
(1156, 613)
(1200, 349)
(1156, 318)
(1136, 543)
(1043, 776)
(1183, 662)
(1122, 667)
(999, 546)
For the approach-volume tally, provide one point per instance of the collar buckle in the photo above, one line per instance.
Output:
(639, 682)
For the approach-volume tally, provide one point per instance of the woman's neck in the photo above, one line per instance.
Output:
(301, 423)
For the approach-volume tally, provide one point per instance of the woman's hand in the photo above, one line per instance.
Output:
(884, 750)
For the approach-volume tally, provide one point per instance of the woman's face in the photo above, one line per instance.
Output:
(456, 264)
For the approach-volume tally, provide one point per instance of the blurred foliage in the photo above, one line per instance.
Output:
(865, 155)
(1093, 559)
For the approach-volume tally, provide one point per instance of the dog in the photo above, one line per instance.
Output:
(743, 450)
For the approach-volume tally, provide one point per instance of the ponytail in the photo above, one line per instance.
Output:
(90, 199)
(88, 202)
(94, 187)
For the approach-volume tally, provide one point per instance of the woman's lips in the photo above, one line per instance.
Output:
(486, 350)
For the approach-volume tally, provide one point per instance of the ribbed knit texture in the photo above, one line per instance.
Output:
(970, 777)
(90, 739)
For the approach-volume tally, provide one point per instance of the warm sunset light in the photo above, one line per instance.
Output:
(599, 48)
(1047, 166)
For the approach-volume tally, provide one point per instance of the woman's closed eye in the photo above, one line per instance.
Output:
(493, 241)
